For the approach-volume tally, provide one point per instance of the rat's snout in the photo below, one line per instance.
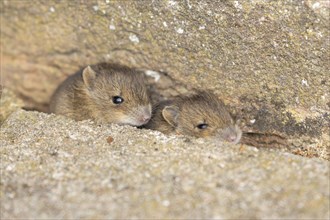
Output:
(231, 137)
(145, 115)
(138, 117)
(145, 118)
(231, 134)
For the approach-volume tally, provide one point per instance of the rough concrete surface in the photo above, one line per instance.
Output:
(269, 60)
(8, 103)
(53, 167)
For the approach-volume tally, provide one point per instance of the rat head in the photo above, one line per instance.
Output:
(202, 115)
(118, 94)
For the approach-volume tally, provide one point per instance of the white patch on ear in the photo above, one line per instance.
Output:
(170, 114)
(88, 76)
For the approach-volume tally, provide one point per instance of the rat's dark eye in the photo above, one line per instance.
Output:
(202, 126)
(117, 100)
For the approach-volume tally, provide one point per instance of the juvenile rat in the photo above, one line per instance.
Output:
(105, 93)
(199, 115)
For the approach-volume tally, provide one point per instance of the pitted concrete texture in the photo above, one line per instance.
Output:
(274, 52)
(268, 60)
(53, 167)
(8, 103)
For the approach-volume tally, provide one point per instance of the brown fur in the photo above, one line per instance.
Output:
(80, 99)
(202, 108)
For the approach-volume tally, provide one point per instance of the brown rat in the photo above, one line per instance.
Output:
(199, 115)
(105, 93)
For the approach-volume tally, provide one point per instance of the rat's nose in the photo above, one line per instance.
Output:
(231, 138)
(145, 118)
(231, 134)
(144, 115)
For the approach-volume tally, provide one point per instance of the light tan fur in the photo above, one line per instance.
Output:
(182, 115)
(88, 94)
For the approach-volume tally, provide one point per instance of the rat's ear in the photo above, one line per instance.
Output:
(88, 76)
(170, 114)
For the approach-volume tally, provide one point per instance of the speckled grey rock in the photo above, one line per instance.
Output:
(53, 167)
(269, 60)
(8, 103)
